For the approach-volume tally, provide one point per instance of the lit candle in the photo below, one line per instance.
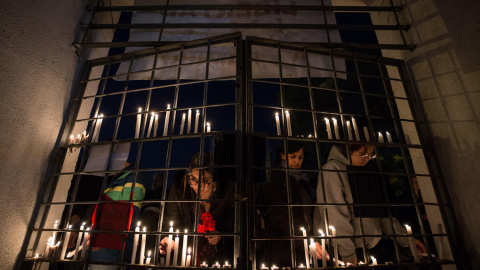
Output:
(79, 139)
(335, 246)
(277, 121)
(335, 126)
(152, 117)
(274, 267)
(169, 245)
(313, 251)
(226, 265)
(305, 246)
(155, 126)
(65, 243)
(184, 249)
(209, 128)
(189, 120)
(189, 257)
(182, 125)
(148, 258)
(135, 243)
(367, 135)
(47, 247)
(324, 256)
(349, 131)
(167, 119)
(71, 140)
(329, 129)
(84, 244)
(55, 250)
(197, 115)
(79, 239)
(289, 124)
(301, 266)
(142, 247)
(37, 256)
(204, 265)
(374, 261)
(380, 138)
(139, 121)
(389, 137)
(216, 265)
(55, 226)
(175, 253)
(412, 244)
(355, 128)
(263, 267)
(84, 137)
(98, 126)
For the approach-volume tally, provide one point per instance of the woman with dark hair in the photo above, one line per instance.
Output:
(275, 219)
(337, 187)
(211, 248)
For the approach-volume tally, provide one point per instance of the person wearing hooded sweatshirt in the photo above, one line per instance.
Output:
(334, 187)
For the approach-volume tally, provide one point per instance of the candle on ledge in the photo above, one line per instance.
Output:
(355, 128)
(148, 258)
(216, 265)
(152, 117)
(55, 226)
(226, 265)
(263, 267)
(289, 124)
(380, 137)
(367, 135)
(389, 137)
(167, 120)
(277, 121)
(313, 251)
(374, 261)
(47, 247)
(197, 116)
(54, 251)
(79, 239)
(84, 244)
(184, 249)
(169, 244)
(71, 140)
(204, 265)
(209, 128)
(335, 127)
(274, 267)
(413, 249)
(155, 126)
(138, 124)
(142, 248)
(189, 120)
(135, 243)
(189, 258)
(65, 243)
(182, 124)
(98, 126)
(175, 253)
(84, 137)
(324, 256)
(305, 246)
(78, 139)
(329, 129)
(301, 266)
(335, 246)
(349, 131)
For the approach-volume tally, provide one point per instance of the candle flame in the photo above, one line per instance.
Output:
(321, 233)
(198, 112)
(101, 115)
(149, 253)
(139, 110)
(276, 114)
(331, 227)
(168, 106)
(138, 224)
(83, 224)
(153, 113)
(184, 114)
(302, 229)
(348, 122)
(186, 231)
(263, 265)
(156, 116)
(208, 124)
(144, 229)
(188, 250)
(171, 223)
(69, 227)
(226, 263)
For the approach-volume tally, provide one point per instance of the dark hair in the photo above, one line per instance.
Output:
(196, 162)
(292, 147)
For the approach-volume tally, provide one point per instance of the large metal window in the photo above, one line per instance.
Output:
(238, 86)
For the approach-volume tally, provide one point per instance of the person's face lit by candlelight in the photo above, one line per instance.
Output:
(207, 180)
(295, 159)
(362, 155)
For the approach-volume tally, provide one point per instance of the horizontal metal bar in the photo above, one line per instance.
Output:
(247, 7)
(246, 26)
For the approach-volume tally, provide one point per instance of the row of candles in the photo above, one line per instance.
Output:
(335, 128)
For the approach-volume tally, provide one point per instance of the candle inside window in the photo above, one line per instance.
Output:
(84, 245)
(355, 128)
(209, 128)
(197, 116)
(305, 246)
(189, 120)
(301, 266)
(380, 138)
(216, 265)
(189, 258)
(367, 135)
(142, 247)
(389, 137)
(155, 126)
(152, 117)
(329, 129)
(79, 239)
(413, 248)
(313, 253)
(169, 243)
(184, 249)
(47, 248)
(204, 265)
(324, 256)
(71, 140)
(289, 124)
(175, 253)
(182, 124)
(335, 246)
(263, 267)
(148, 258)
(98, 126)
(135, 243)
(138, 124)
(349, 131)
(65, 243)
(277, 121)
(274, 267)
(335, 127)
(226, 265)
(374, 261)
(167, 120)
(55, 226)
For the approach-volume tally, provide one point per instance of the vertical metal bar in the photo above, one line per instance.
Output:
(163, 20)
(310, 91)
(398, 22)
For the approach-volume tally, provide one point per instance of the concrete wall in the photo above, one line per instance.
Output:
(37, 74)
(446, 66)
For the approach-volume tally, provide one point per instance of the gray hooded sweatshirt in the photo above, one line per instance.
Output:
(337, 190)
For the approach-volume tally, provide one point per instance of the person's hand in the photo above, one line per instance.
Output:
(319, 252)
(87, 238)
(420, 248)
(164, 245)
(213, 239)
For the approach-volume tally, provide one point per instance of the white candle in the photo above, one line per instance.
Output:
(289, 124)
(71, 140)
(329, 129)
(155, 126)
(47, 247)
(216, 265)
(204, 265)
(84, 137)
(169, 245)
(184, 249)
(367, 135)
(189, 120)
(152, 117)
(84, 245)
(148, 258)
(413, 249)
(389, 137)
(313, 251)
(263, 267)
(139, 122)
(98, 126)
(305, 246)
(226, 265)
(374, 261)
(167, 119)
(335, 126)
(182, 125)
(175, 253)
(79, 139)
(274, 267)
(135, 243)
(355, 128)
(349, 131)
(65, 244)
(55, 226)
(142, 247)
(209, 128)
(335, 246)
(189, 257)
(197, 116)
(301, 266)
(277, 121)
(380, 138)
(324, 256)
(79, 238)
